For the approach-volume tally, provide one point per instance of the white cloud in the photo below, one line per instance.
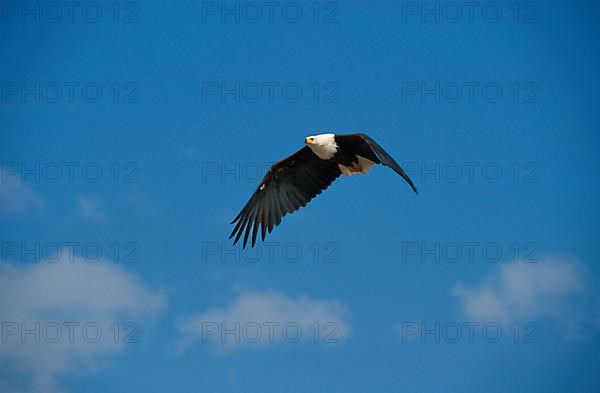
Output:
(260, 318)
(91, 208)
(45, 298)
(15, 196)
(552, 289)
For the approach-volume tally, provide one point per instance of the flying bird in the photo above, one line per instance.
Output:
(292, 182)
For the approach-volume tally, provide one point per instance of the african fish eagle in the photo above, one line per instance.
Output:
(292, 182)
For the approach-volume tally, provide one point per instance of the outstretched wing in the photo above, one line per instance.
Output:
(289, 185)
(364, 146)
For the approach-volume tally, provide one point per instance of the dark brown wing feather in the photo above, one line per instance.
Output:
(289, 185)
(365, 146)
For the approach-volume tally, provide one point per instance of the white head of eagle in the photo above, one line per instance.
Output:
(322, 145)
(294, 181)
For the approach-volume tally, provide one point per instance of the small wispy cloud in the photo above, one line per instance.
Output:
(62, 318)
(553, 289)
(257, 318)
(91, 208)
(16, 196)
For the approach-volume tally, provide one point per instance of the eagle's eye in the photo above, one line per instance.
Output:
(309, 140)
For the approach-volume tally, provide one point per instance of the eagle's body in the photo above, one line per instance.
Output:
(292, 182)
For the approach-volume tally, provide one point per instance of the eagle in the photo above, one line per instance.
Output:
(294, 181)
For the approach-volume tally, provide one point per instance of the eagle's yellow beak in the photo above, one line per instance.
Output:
(309, 140)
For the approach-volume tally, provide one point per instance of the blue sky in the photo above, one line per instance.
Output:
(168, 116)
